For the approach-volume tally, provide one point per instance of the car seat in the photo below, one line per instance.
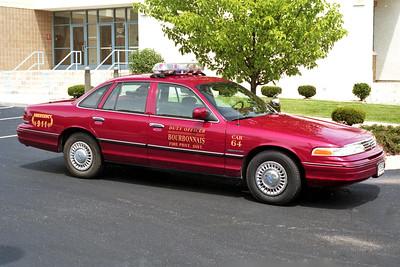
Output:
(187, 105)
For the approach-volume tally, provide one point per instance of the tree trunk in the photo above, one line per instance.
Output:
(253, 85)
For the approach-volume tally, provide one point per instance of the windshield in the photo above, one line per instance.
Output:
(233, 101)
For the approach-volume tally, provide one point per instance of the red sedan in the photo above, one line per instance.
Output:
(201, 124)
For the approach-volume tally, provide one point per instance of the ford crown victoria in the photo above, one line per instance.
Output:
(183, 121)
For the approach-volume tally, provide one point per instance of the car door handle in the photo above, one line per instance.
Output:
(99, 119)
(156, 125)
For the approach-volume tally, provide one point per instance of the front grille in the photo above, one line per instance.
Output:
(369, 143)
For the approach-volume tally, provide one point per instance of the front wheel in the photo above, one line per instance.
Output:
(273, 177)
(82, 156)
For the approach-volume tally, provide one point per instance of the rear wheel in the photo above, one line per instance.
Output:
(273, 177)
(82, 156)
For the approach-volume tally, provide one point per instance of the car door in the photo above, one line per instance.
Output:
(176, 141)
(121, 123)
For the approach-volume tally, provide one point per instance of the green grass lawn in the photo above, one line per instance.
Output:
(322, 108)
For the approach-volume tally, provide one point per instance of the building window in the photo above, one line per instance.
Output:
(120, 15)
(61, 18)
(62, 38)
(96, 33)
(92, 44)
(133, 29)
(106, 15)
(92, 16)
(78, 17)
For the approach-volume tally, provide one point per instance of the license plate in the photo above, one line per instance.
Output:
(381, 169)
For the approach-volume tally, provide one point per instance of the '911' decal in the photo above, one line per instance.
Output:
(42, 120)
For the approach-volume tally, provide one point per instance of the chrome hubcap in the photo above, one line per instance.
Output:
(271, 178)
(81, 156)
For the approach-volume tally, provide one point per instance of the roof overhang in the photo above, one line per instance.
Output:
(51, 5)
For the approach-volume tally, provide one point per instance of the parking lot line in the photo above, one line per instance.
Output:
(6, 107)
(8, 136)
(11, 118)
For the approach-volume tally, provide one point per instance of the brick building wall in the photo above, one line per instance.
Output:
(23, 31)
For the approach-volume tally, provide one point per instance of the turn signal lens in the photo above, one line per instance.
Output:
(322, 152)
(347, 150)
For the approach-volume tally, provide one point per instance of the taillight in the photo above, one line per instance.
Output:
(27, 116)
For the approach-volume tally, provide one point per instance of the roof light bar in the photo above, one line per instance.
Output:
(164, 69)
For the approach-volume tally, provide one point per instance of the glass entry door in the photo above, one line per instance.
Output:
(78, 42)
(106, 43)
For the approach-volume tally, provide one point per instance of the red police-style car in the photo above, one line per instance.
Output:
(175, 119)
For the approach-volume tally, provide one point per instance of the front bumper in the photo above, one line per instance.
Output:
(336, 173)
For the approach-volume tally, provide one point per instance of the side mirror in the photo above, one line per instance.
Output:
(276, 103)
(201, 114)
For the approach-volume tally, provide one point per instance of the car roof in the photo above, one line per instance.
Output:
(188, 80)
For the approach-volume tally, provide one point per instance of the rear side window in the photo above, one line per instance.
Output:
(93, 100)
(128, 97)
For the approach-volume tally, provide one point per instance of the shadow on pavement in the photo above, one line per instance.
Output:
(150, 177)
(10, 254)
(339, 198)
(53, 165)
(174, 180)
(324, 198)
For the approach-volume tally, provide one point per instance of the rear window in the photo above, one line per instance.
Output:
(93, 100)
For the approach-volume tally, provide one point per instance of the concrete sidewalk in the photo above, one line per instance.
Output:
(393, 162)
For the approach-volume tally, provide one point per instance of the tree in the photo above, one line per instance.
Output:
(257, 41)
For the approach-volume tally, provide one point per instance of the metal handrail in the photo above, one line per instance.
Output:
(118, 61)
(75, 55)
(39, 60)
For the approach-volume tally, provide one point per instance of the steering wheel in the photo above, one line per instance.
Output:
(237, 103)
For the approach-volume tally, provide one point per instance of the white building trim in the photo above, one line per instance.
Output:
(57, 5)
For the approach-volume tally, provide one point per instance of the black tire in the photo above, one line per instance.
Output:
(76, 168)
(289, 187)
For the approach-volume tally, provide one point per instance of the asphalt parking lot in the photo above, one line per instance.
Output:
(141, 217)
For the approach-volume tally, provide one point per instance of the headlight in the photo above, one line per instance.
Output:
(347, 150)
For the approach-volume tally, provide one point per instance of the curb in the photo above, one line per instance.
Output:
(7, 104)
(393, 162)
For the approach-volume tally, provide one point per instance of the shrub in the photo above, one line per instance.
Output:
(387, 136)
(226, 91)
(271, 91)
(361, 90)
(348, 115)
(76, 90)
(143, 61)
(307, 91)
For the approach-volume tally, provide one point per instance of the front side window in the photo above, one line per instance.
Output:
(93, 100)
(128, 97)
(176, 101)
(234, 101)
